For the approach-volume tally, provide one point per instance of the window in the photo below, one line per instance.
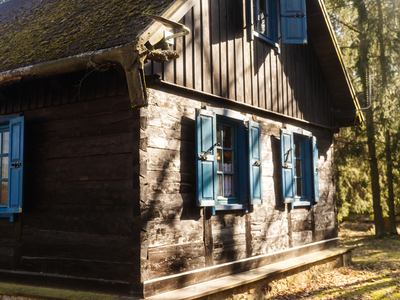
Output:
(265, 19)
(11, 165)
(299, 158)
(228, 160)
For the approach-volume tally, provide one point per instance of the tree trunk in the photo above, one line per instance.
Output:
(389, 175)
(374, 173)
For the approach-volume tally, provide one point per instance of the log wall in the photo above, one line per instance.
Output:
(81, 180)
(218, 57)
(182, 237)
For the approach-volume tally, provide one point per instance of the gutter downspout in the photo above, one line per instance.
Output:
(130, 57)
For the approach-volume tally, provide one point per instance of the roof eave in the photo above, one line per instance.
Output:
(324, 42)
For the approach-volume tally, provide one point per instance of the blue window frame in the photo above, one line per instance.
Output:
(299, 158)
(228, 160)
(11, 165)
(289, 15)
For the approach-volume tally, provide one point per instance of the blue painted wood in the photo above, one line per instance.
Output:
(242, 165)
(287, 166)
(16, 165)
(255, 165)
(315, 168)
(206, 170)
(293, 22)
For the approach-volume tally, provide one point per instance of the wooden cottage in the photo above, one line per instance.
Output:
(139, 164)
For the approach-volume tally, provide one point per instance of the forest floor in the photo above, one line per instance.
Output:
(373, 274)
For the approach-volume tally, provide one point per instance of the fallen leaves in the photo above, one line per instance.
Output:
(374, 274)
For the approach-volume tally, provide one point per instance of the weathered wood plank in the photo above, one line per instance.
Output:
(207, 71)
(197, 62)
(246, 57)
(77, 245)
(105, 193)
(268, 90)
(286, 69)
(86, 108)
(79, 268)
(224, 48)
(163, 232)
(231, 50)
(215, 47)
(261, 73)
(175, 259)
(85, 146)
(238, 15)
(274, 83)
(92, 168)
(188, 46)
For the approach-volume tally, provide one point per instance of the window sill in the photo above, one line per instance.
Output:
(269, 41)
(229, 207)
(301, 203)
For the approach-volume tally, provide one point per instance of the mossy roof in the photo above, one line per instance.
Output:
(35, 31)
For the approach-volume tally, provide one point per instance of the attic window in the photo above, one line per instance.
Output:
(266, 15)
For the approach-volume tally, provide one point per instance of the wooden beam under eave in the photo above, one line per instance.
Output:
(132, 61)
(154, 33)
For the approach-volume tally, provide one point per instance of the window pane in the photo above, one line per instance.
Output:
(4, 167)
(297, 145)
(228, 186)
(219, 185)
(5, 142)
(298, 168)
(4, 190)
(227, 137)
(219, 162)
(219, 134)
(228, 164)
(299, 187)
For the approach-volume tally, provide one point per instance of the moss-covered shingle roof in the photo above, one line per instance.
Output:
(35, 31)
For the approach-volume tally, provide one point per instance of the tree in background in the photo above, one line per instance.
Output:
(368, 33)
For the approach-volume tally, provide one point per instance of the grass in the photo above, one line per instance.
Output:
(373, 274)
(375, 271)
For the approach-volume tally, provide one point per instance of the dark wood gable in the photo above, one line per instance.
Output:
(218, 57)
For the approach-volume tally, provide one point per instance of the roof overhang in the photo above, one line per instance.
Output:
(322, 37)
(152, 33)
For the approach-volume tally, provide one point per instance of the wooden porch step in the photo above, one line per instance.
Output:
(289, 266)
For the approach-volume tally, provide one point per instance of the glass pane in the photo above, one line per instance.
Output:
(299, 187)
(298, 168)
(227, 137)
(219, 185)
(297, 145)
(228, 164)
(219, 134)
(4, 167)
(4, 190)
(228, 186)
(5, 142)
(219, 162)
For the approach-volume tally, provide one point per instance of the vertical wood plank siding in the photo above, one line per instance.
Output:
(222, 60)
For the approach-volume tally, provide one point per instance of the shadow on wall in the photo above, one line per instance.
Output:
(277, 172)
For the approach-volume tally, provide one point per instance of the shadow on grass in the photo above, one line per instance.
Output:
(377, 287)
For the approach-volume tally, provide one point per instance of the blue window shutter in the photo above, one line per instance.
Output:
(315, 168)
(255, 170)
(287, 166)
(16, 165)
(206, 168)
(293, 22)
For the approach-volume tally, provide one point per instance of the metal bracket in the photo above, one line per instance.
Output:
(285, 164)
(204, 156)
